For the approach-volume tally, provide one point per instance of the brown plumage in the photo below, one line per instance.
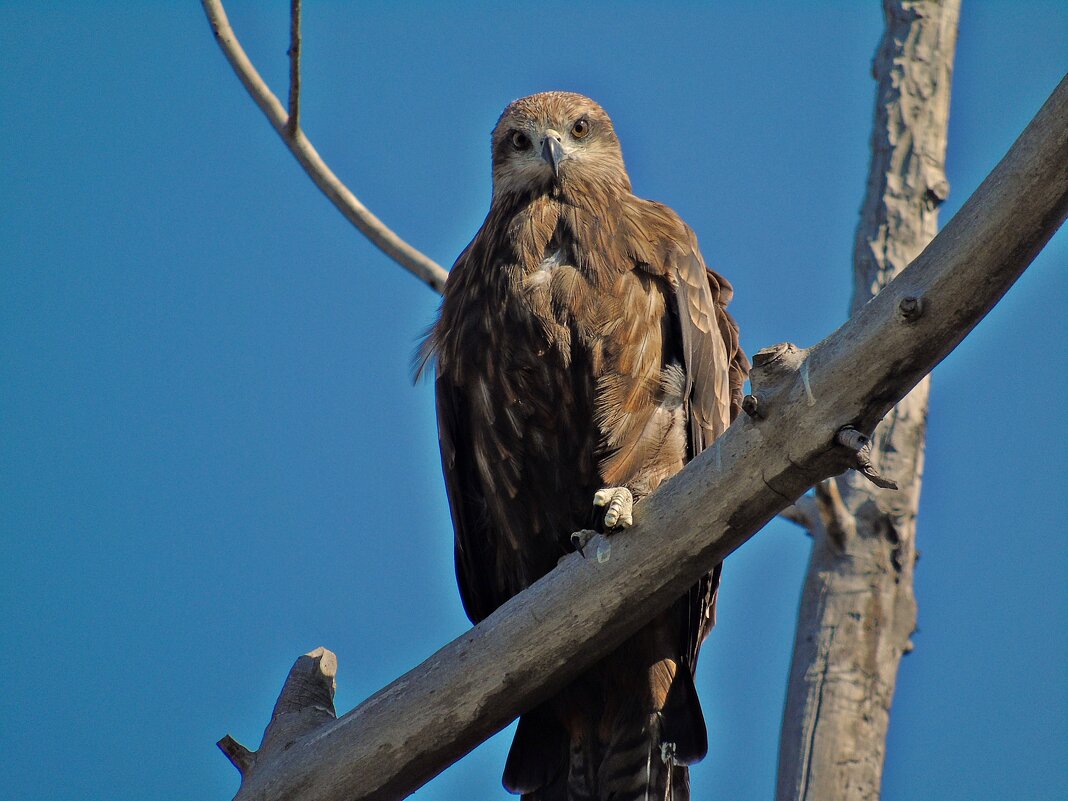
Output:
(582, 345)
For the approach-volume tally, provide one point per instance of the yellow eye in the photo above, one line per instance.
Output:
(520, 141)
(580, 128)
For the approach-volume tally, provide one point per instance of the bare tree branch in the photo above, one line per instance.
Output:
(239, 756)
(857, 608)
(420, 265)
(541, 639)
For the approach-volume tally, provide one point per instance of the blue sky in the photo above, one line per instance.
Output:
(211, 455)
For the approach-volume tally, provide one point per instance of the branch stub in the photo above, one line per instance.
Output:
(910, 308)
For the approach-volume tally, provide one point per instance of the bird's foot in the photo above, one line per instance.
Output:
(619, 506)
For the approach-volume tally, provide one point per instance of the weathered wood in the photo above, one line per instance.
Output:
(305, 705)
(409, 731)
(857, 607)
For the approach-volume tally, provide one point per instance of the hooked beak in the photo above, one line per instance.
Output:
(552, 151)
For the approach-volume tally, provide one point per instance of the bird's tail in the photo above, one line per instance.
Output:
(605, 757)
(537, 766)
(641, 765)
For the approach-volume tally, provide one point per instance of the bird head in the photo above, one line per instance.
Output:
(556, 141)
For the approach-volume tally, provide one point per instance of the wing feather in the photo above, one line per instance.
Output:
(704, 348)
(716, 369)
(475, 568)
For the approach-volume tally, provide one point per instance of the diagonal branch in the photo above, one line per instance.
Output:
(535, 643)
(421, 266)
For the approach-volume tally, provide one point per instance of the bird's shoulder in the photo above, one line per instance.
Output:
(678, 247)
(655, 235)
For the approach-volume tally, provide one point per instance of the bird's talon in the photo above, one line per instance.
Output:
(579, 539)
(619, 503)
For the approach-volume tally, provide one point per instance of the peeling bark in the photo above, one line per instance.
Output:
(858, 609)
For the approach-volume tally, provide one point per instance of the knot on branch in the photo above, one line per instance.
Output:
(910, 308)
(773, 372)
(751, 406)
(937, 191)
(782, 355)
(850, 438)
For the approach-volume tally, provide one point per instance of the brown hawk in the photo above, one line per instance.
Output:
(584, 354)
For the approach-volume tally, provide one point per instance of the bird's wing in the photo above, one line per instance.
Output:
(716, 369)
(704, 346)
(475, 563)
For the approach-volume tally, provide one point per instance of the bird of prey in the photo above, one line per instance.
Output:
(583, 355)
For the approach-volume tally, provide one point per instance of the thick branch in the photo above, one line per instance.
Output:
(857, 608)
(409, 731)
(420, 265)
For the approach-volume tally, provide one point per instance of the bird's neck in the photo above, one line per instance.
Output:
(538, 225)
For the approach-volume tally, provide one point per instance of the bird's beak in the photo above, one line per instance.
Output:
(552, 151)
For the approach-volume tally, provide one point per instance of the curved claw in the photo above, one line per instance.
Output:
(619, 505)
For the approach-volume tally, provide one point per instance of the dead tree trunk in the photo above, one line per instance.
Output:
(857, 607)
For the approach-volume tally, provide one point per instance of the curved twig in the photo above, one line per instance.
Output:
(417, 263)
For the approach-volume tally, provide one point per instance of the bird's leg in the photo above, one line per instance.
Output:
(619, 506)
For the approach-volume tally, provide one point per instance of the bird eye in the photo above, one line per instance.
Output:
(520, 141)
(580, 128)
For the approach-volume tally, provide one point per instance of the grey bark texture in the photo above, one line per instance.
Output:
(806, 404)
(858, 609)
(305, 704)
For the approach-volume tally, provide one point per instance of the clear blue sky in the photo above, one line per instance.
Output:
(211, 455)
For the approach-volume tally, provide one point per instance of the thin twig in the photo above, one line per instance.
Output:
(420, 265)
(294, 68)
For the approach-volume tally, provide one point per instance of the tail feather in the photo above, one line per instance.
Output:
(609, 749)
(538, 756)
(683, 721)
(640, 765)
(637, 762)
